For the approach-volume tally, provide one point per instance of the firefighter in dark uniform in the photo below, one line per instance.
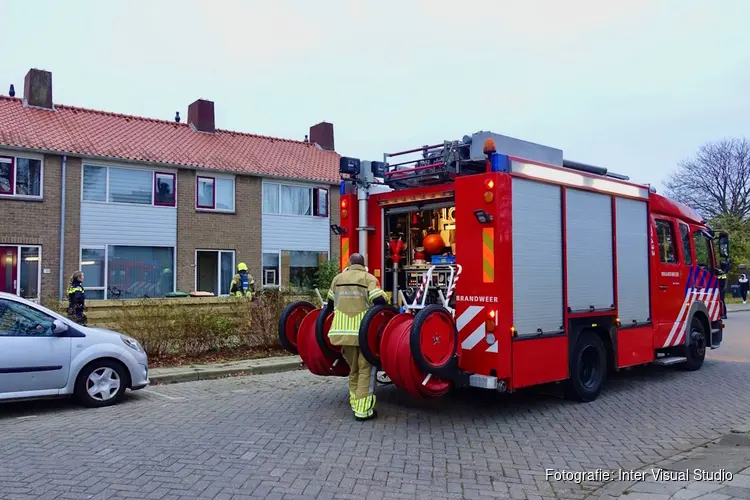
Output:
(77, 299)
(351, 294)
(243, 284)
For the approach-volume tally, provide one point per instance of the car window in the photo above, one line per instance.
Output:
(685, 237)
(665, 235)
(20, 320)
(702, 249)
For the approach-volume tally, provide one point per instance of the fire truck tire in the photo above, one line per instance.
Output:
(433, 341)
(695, 351)
(588, 368)
(322, 325)
(371, 331)
(289, 324)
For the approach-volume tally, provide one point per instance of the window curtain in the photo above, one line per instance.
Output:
(271, 198)
(130, 186)
(296, 200)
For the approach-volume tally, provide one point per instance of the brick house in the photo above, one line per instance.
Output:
(145, 207)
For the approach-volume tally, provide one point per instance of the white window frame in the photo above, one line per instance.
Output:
(263, 273)
(310, 187)
(14, 157)
(218, 267)
(18, 248)
(106, 263)
(154, 172)
(211, 175)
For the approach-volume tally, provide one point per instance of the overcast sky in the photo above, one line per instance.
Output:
(634, 85)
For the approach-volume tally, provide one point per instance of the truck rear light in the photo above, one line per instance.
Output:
(344, 213)
(488, 196)
(343, 204)
(491, 322)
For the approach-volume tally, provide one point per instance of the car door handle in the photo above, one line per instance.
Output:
(663, 287)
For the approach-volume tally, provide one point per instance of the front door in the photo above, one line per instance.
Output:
(31, 358)
(670, 302)
(9, 269)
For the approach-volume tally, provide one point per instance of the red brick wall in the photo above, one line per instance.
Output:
(30, 222)
(240, 231)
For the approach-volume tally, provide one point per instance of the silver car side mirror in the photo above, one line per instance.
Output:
(58, 327)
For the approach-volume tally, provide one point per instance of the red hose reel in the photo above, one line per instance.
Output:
(417, 351)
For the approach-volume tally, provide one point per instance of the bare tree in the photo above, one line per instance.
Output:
(717, 181)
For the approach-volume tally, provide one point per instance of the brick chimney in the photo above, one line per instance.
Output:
(322, 135)
(201, 116)
(37, 89)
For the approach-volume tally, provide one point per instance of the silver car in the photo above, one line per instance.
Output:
(43, 354)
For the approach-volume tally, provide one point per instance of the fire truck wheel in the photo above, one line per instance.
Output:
(289, 324)
(371, 331)
(588, 368)
(322, 325)
(695, 351)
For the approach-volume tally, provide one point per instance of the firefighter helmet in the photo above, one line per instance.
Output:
(242, 266)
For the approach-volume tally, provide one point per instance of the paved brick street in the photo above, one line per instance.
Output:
(291, 436)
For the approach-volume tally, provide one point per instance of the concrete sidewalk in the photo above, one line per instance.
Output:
(189, 373)
(738, 307)
(719, 470)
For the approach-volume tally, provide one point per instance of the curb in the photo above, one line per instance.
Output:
(195, 374)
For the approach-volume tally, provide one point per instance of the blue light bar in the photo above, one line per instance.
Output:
(499, 163)
(342, 188)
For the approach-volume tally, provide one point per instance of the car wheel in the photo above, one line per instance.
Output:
(588, 368)
(101, 383)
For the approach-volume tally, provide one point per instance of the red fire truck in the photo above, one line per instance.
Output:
(509, 266)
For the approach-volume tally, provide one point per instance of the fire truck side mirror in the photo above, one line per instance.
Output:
(724, 246)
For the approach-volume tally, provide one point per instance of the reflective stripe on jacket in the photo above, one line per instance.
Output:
(353, 293)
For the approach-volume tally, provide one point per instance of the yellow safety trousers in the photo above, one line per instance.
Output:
(361, 382)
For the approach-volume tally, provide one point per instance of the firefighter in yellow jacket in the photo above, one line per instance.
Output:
(352, 293)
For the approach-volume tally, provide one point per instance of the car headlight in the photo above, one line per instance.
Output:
(132, 343)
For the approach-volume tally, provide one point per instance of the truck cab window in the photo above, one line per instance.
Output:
(665, 235)
(685, 237)
(702, 249)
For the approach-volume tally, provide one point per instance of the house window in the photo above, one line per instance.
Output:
(214, 271)
(270, 198)
(93, 266)
(320, 198)
(271, 269)
(294, 200)
(214, 193)
(164, 189)
(136, 272)
(20, 270)
(303, 266)
(20, 177)
(128, 185)
(127, 272)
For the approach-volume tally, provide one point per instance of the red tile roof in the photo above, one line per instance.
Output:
(87, 132)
